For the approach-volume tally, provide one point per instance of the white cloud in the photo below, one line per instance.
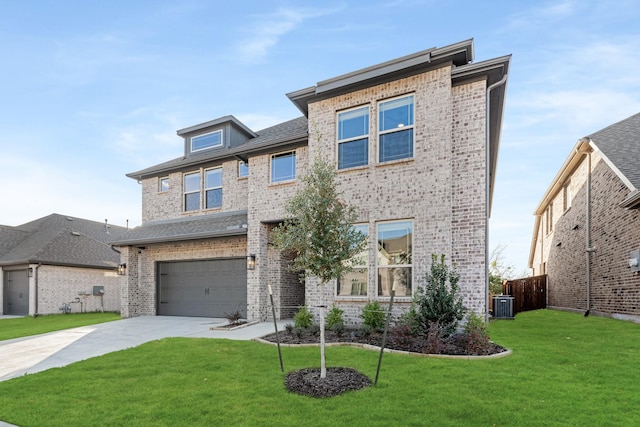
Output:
(267, 30)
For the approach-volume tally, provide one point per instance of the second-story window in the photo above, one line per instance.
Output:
(213, 188)
(163, 184)
(283, 167)
(243, 169)
(395, 129)
(353, 138)
(208, 140)
(192, 191)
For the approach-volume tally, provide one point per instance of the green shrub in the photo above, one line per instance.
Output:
(303, 318)
(373, 315)
(338, 328)
(476, 336)
(334, 317)
(438, 301)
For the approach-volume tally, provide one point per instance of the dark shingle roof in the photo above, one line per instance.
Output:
(191, 228)
(60, 240)
(291, 131)
(620, 143)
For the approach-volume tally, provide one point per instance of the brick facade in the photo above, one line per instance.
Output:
(58, 285)
(615, 233)
(441, 188)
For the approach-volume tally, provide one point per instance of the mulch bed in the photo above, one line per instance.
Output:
(339, 379)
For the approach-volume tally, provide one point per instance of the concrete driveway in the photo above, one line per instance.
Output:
(37, 353)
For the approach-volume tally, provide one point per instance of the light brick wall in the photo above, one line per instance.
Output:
(58, 285)
(158, 206)
(139, 285)
(265, 207)
(615, 232)
(441, 189)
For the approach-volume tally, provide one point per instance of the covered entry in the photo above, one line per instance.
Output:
(16, 293)
(203, 288)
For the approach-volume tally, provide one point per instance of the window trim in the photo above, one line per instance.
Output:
(242, 162)
(207, 189)
(295, 166)
(408, 265)
(355, 138)
(185, 192)
(380, 133)
(221, 131)
(160, 187)
(365, 226)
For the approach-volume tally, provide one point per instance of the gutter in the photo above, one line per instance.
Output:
(501, 82)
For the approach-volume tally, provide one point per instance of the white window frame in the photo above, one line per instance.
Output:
(355, 138)
(185, 192)
(240, 163)
(161, 188)
(193, 138)
(295, 166)
(389, 266)
(364, 228)
(396, 129)
(207, 189)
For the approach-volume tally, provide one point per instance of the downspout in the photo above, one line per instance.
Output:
(488, 194)
(35, 314)
(588, 248)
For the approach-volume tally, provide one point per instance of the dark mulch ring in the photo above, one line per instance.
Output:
(338, 380)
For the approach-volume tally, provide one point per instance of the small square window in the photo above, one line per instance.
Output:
(163, 185)
(243, 169)
(395, 128)
(283, 167)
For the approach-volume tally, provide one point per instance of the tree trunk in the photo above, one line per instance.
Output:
(323, 364)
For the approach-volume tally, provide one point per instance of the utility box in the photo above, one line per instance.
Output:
(503, 307)
(98, 291)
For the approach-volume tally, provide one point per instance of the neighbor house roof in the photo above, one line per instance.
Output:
(60, 240)
(619, 147)
(190, 228)
(288, 133)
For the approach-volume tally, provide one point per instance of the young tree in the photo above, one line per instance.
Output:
(498, 269)
(320, 232)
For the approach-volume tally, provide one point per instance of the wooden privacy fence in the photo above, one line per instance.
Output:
(528, 294)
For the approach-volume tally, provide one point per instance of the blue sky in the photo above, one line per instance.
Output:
(90, 91)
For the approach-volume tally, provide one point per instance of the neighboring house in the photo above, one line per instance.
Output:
(587, 229)
(59, 259)
(414, 142)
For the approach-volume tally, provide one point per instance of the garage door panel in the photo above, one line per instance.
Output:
(208, 288)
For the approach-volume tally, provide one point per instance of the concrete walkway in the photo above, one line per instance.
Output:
(37, 353)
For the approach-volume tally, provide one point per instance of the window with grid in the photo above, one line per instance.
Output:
(355, 283)
(192, 191)
(394, 263)
(213, 188)
(395, 129)
(353, 138)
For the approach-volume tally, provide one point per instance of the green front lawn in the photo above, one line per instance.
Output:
(565, 370)
(27, 326)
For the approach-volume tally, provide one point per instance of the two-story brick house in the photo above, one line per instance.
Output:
(414, 142)
(587, 228)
